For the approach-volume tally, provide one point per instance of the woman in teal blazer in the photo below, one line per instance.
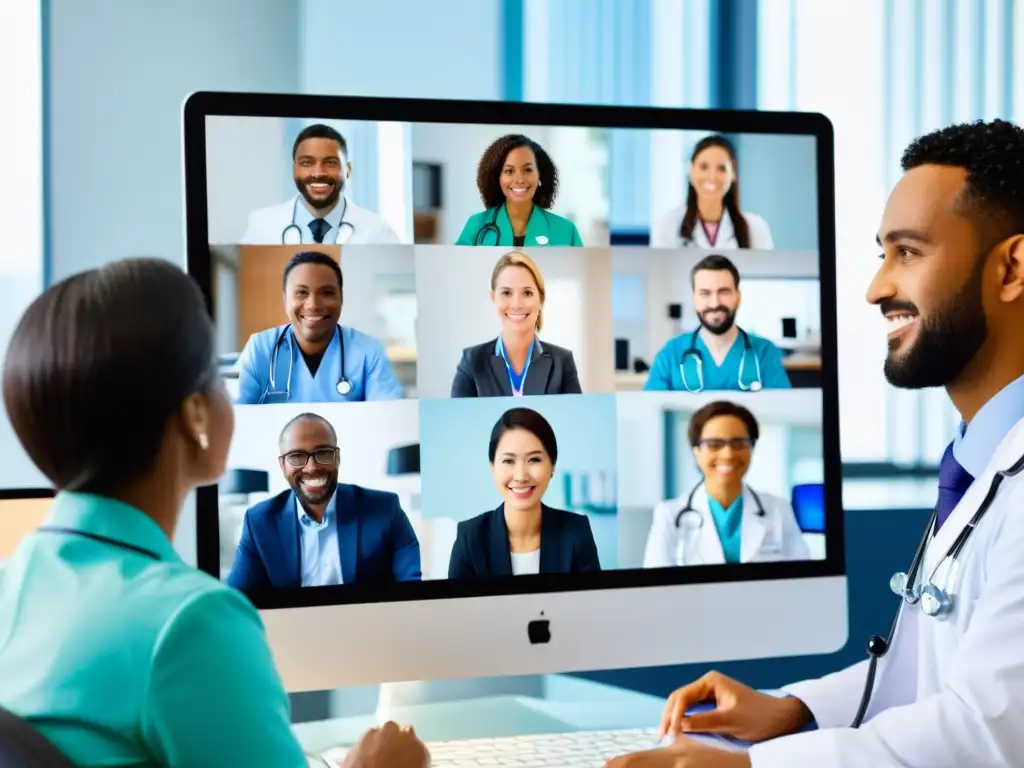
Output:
(518, 183)
(112, 647)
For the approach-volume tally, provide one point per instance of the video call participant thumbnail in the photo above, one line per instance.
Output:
(314, 359)
(719, 354)
(711, 216)
(722, 519)
(516, 363)
(523, 535)
(320, 212)
(322, 532)
(518, 182)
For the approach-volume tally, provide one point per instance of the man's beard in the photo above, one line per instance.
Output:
(320, 204)
(722, 327)
(945, 341)
(321, 496)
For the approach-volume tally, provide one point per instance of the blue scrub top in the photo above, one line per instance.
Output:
(728, 523)
(665, 374)
(367, 368)
(125, 659)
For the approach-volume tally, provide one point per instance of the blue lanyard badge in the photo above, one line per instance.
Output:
(516, 380)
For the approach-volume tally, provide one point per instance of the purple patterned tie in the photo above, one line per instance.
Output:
(954, 481)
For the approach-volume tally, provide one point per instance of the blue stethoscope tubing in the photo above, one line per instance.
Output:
(935, 601)
(689, 510)
(492, 226)
(298, 229)
(344, 386)
(692, 351)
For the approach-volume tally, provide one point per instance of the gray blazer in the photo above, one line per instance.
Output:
(482, 372)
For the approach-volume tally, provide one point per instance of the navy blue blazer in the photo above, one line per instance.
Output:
(482, 372)
(375, 538)
(481, 548)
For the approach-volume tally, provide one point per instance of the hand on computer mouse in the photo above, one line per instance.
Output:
(389, 746)
(682, 753)
(740, 711)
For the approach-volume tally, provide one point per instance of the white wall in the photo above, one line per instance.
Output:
(641, 431)
(119, 72)
(372, 273)
(366, 432)
(400, 48)
(648, 281)
(455, 311)
(21, 215)
(246, 168)
(249, 166)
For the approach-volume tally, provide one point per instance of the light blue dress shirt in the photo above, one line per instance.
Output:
(729, 523)
(135, 660)
(367, 369)
(974, 446)
(321, 553)
(668, 370)
(304, 218)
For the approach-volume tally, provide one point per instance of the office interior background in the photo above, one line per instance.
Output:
(97, 131)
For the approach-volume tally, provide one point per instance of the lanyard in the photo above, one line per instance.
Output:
(516, 381)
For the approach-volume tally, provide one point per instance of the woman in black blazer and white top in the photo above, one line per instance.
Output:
(516, 363)
(523, 536)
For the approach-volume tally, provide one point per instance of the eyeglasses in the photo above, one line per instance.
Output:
(323, 456)
(715, 444)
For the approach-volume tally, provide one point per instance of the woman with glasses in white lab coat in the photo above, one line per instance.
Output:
(711, 216)
(722, 519)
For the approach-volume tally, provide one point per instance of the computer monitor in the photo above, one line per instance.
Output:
(21, 512)
(389, 266)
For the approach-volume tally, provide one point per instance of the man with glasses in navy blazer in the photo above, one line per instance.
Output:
(322, 532)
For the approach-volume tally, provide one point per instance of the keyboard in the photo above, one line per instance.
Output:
(581, 749)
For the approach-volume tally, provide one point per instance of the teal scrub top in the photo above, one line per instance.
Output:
(123, 659)
(543, 228)
(668, 370)
(728, 523)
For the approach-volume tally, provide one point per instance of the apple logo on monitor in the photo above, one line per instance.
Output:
(539, 631)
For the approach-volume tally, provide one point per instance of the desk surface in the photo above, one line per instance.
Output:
(568, 705)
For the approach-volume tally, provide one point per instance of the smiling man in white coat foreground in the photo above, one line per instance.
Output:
(950, 690)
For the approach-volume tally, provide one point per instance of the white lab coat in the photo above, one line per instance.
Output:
(665, 234)
(266, 226)
(776, 536)
(949, 692)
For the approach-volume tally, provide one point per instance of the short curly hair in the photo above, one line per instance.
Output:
(492, 161)
(992, 154)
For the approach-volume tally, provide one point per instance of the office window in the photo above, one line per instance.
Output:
(918, 66)
(644, 52)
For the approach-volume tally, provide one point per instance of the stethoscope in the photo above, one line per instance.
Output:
(102, 539)
(935, 601)
(298, 230)
(697, 519)
(692, 351)
(492, 226)
(344, 386)
(694, 520)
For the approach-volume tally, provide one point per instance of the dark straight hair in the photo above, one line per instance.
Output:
(532, 422)
(98, 365)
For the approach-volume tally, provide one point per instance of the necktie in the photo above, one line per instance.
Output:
(319, 228)
(954, 481)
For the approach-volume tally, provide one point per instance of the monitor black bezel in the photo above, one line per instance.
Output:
(200, 105)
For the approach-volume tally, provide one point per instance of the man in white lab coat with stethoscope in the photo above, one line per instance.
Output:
(949, 682)
(320, 212)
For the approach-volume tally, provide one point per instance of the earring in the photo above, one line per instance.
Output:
(204, 441)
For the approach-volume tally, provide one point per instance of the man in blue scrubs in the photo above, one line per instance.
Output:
(313, 359)
(322, 532)
(719, 355)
